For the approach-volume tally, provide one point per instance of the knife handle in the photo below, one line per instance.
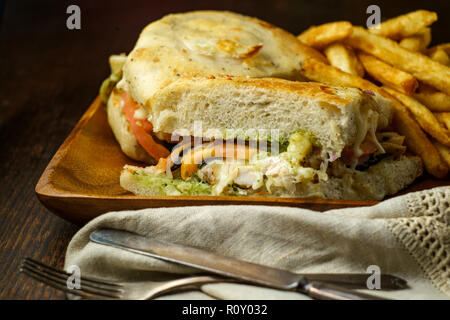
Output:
(357, 280)
(322, 291)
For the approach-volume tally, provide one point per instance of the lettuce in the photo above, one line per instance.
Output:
(163, 185)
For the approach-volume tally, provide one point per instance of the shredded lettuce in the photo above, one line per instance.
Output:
(116, 63)
(163, 185)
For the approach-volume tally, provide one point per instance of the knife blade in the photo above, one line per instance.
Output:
(225, 266)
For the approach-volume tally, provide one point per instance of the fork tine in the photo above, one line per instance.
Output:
(62, 281)
(63, 276)
(103, 284)
(63, 287)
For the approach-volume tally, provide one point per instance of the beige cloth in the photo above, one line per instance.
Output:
(408, 236)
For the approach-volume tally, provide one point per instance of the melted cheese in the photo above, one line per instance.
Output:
(362, 123)
(367, 121)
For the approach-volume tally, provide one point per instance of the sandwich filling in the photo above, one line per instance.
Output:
(238, 168)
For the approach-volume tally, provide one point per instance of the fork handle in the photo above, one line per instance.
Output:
(322, 291)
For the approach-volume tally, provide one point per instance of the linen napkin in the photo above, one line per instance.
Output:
(407, 236)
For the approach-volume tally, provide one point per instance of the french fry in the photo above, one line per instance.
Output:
(444, 151)
(440, 56)
(424, 117)
(388, 75)
(443, 46)
(443, 118)
(321, 36)
(405, 25)
(417, 42)
(420, 66)
(344, 58)
(320, 72)
(415, 139)
(434, 100)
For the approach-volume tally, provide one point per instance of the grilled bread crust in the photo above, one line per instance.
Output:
(205, 43)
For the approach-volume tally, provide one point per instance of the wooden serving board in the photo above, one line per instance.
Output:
(82, 179)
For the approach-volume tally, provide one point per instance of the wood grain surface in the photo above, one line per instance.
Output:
(49, 75)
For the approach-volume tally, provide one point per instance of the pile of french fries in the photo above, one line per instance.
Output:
(394, 60)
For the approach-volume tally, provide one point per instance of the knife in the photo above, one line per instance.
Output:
(353, 280)
(225, 266)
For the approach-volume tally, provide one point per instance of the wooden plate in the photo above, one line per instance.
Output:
(82, 179)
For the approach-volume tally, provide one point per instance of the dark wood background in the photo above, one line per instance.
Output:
(49, 75)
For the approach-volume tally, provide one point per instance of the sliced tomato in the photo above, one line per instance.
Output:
(142, 129)
(129, 108)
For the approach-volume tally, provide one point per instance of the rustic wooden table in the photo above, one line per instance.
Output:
(49, 75)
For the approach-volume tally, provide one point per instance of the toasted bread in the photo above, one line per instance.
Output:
(205, 43)
(242, 108)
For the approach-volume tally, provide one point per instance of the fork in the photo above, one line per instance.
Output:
(95, 289)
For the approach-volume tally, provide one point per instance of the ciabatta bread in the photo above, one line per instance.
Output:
(249, 108)
(205, 43)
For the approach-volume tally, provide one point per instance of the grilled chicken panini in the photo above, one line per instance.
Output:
(214, 100)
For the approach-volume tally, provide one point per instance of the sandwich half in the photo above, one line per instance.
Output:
(213, 100)
(268, 136)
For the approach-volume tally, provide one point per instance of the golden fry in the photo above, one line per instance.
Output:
(415, 139)
(424, 117)
(321, 36)
(418, 42)
(344, 58)
(420, 66)
(440, 56)
(434, 100)
(444, 151)
(443, 118)
(443, 46)
(388, 75)
(418, 142)
(405, 25)
(320, 72)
